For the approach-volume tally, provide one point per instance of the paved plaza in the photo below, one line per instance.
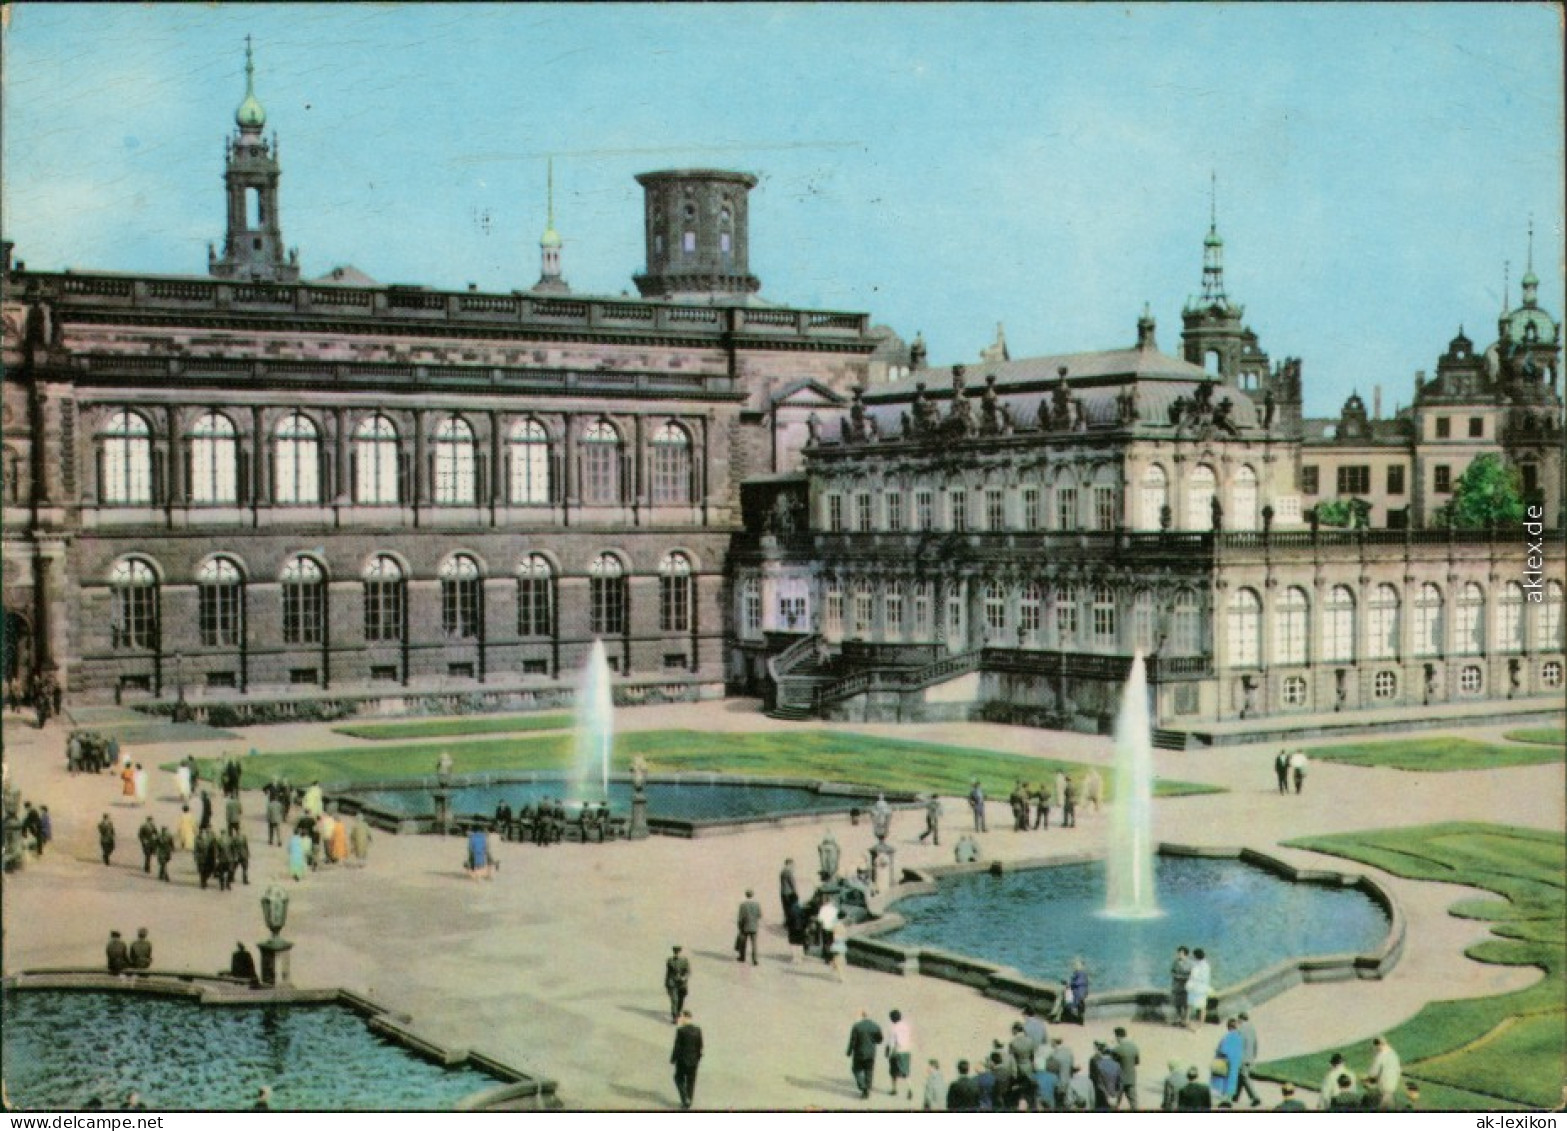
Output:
(557, 965)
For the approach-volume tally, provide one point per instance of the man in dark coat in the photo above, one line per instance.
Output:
(165, 853)
(243, 964)
(1196, 1096)
(274, 816)
(932, 820)
(239, 852)
(677, 980)
(232, 812)
(976, 802)
(1069, 804)
(106, 838)
(686, 1056)
(1129, 1057)
(788, 892)
(206, 810)
(1104, 1072)
(223, 861)
(1281, 770)
(119, 958)
(864, 1037)
(963, 1093)
(140, 955)
(203, 854)
(147, 836)
(748, 921)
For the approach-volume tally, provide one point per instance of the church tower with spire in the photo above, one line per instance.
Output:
(550, 279)
(253, 242)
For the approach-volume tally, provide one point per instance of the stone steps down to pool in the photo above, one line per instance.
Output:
(695, 803)
(512, 1090)
(868, 949)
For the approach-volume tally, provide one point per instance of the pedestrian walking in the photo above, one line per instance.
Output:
(864, 1037)
(1298, 769)
(686, 1056)
(900, 1052)
(1069, 804)
(1281, 770)
(105, 839)
(932, 820)
(748, 921)
(677, 982)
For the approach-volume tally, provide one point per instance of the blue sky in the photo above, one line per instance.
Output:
(944, 167)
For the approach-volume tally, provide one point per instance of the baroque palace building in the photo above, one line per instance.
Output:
(249, 486)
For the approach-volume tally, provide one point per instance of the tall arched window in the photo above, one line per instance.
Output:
(1243, 499)
(1291, 613)
(528, 451)
(296, 461)
(995, 599)
(1469, 640)
(1200, 486)
(1509, 619)
(1066, 616)
(1066, 501)
(220, 598)
(1145, 621)
(751, 606)
(832, 610)
(924, 605)
(1382, 627)
(133, 614)
(386, 600)
(1338, 626)
(376, 464)
(601, 464)
(1104, 617)
(214, 460)
(892, 610)
(304, 602)
(862, 607)
(1155, 496)
(1029, 606)
(607, 596)
(1245, 628)
(125, 471)
(1551, 619)
(674, 593)
(1185, 625)
(1429, 626)
(462, 598)
(535, 597)
(455, 464)
(671, 465)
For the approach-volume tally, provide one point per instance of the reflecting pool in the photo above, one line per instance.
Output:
(1038, 920)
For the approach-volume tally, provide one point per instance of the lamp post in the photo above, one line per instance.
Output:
(181, 708)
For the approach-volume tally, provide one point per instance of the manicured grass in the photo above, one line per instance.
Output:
(1545, 736)
(1437, 753)
(894, 764)
(1482, 1052)
(455, 728)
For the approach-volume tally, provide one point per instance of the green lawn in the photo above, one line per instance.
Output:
(894, 764)
(455, 728)
(1481, 1053)
(1546, 736)
(1437, 753)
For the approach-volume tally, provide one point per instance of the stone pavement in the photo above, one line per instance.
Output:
(556, 965)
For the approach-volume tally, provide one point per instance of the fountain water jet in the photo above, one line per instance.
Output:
(595, 726)
(1129, 892)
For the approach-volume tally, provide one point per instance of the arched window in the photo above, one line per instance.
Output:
(601, 464)
(995, 599)
(1429, 626)
(862, 608)
(528, 451)
(1470, 637)
(1107, 511)
(1200, 486)
(1066, 616)
(455, 464)
(607, 596)
(296, 461)
(674, 593)
(1382, 627)
(892, 609)
(832, 611)
(1029, 606)
(133, 614)
(1185, 625)
(1338, 626)
(1509, 619)
(1291, 612)
(1243, 499)
(220, 598)
(751, 607)
(1245, 628)
(671, 465)
(1155, 496)
(385, 600)
(125, 471)
(535, 597)
(1104, 617)
(924, 600)
(462, 598)
(304, 602)
(1066, 501)
(214, 460)
(1551, 619)
(1145, 620)
(376, 463)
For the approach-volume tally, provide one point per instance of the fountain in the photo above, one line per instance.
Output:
(595, 725)
(1129, 888)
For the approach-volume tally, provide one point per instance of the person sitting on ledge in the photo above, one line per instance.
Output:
(141, 951)
(242, 965)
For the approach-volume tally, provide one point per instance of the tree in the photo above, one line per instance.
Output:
(1488, 493)
(1351, 512)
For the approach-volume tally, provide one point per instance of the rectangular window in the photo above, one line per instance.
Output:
(463, 670)
(751, 608)
(384, 673)
(303, 677)
(1354, 479)
(1443, 481)
(924, 510)
(894, 511)
(219, 613)
(460, 608)
(1444, 428)
(674, 661)
(1031, 508)
(835, 513)
(1476, 427)
(832, 613)
(1104, 508)
(674, 603)
(922, 595)
(1066, 508)
(1308, 480)
(222, 679)
(1395, 480)
(862, 513)
(995, 511)
(957, 508)
(791, 611)
(535, 667)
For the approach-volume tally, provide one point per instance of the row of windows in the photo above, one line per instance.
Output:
(129, 467)
(1293, 691)
(1355, 479)
(1337, 628)
(1444, 427)
(1064, 506)
(220, 588)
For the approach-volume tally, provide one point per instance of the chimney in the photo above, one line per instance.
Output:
(1376, 402)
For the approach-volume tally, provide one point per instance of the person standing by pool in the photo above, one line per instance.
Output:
(1199, 987)
(976, 801)
(1042, 806)
(1225, 1077)
(748, 922)
(932, 820)
(1077, 990)
(1069, 804)
(1180, 975)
